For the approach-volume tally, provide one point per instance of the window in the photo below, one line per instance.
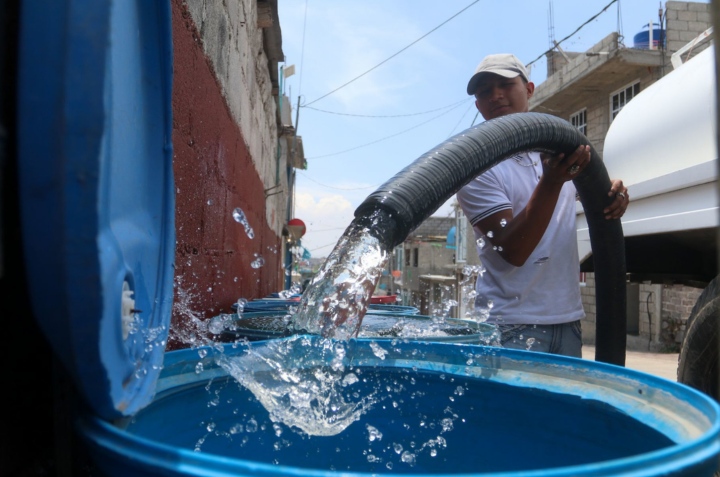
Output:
(579, 120)
(407, 257)
(620, 98)
(415, 257)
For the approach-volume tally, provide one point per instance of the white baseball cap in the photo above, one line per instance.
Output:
(503, 64)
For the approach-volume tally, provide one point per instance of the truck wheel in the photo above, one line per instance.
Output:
(698, 360)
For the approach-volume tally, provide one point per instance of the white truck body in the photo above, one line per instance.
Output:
(662, 145)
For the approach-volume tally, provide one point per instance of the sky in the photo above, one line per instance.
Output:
(380, 82)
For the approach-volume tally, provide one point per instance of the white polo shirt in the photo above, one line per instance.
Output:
(545, 290)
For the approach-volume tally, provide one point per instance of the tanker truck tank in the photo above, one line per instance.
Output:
(663, 145)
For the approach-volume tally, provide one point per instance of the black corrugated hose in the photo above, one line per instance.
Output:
(402, 203)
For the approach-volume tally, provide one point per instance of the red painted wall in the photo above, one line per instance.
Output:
(214, 174)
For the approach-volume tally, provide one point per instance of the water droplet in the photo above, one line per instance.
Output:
(408, 457)
(377, 350)
(216, 325)
(373, 433)
(209, 202)
(258, 262)
(503, 222)
(480, 242)
(251, 426)
(500, 249)
(490, 234)
(240, 218)
(541, 260)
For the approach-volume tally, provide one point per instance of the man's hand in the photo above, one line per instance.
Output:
(619, 205)
(562, 169)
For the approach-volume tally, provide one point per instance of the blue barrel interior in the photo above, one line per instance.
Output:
(458, 409)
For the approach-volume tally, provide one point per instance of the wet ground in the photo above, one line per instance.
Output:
(658, 364)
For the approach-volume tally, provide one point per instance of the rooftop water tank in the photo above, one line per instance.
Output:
(641, 40)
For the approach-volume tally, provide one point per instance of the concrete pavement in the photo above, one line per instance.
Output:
(658, 364)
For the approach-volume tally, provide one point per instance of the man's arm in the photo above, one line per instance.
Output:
(517, 236)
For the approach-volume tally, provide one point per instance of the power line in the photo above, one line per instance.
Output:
(386, 137)
(388, 115)
(576, 30)
(329, 230)
(337, 188)
(324, 246)
(461, 118)
(390, 57)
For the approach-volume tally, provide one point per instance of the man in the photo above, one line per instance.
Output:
(523, 216)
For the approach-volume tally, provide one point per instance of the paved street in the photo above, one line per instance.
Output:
(658, 364)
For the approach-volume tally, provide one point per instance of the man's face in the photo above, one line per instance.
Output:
(497, 96)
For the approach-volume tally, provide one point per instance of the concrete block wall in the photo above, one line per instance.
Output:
(663, 313)
(685, 21)
(587, 296)
(677, 303)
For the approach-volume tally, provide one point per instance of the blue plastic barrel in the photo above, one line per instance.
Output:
(445, 409)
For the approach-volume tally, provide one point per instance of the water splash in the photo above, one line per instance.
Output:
(301, 384)
(336, 299)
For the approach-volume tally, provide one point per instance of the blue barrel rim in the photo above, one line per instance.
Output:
(485, 330)
(113, 440)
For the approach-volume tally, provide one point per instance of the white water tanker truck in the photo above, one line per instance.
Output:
(663, 145)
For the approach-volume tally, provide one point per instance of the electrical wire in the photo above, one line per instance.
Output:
(390, 57)
(386, 137)
(461, 118)
(571, 34)
(323, 246)
(388, 115)
(338, 188)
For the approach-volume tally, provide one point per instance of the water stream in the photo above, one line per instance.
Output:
(309, 384)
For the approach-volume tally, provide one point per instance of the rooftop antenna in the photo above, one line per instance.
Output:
(551, 24)
(621, 37)
(551, 33)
